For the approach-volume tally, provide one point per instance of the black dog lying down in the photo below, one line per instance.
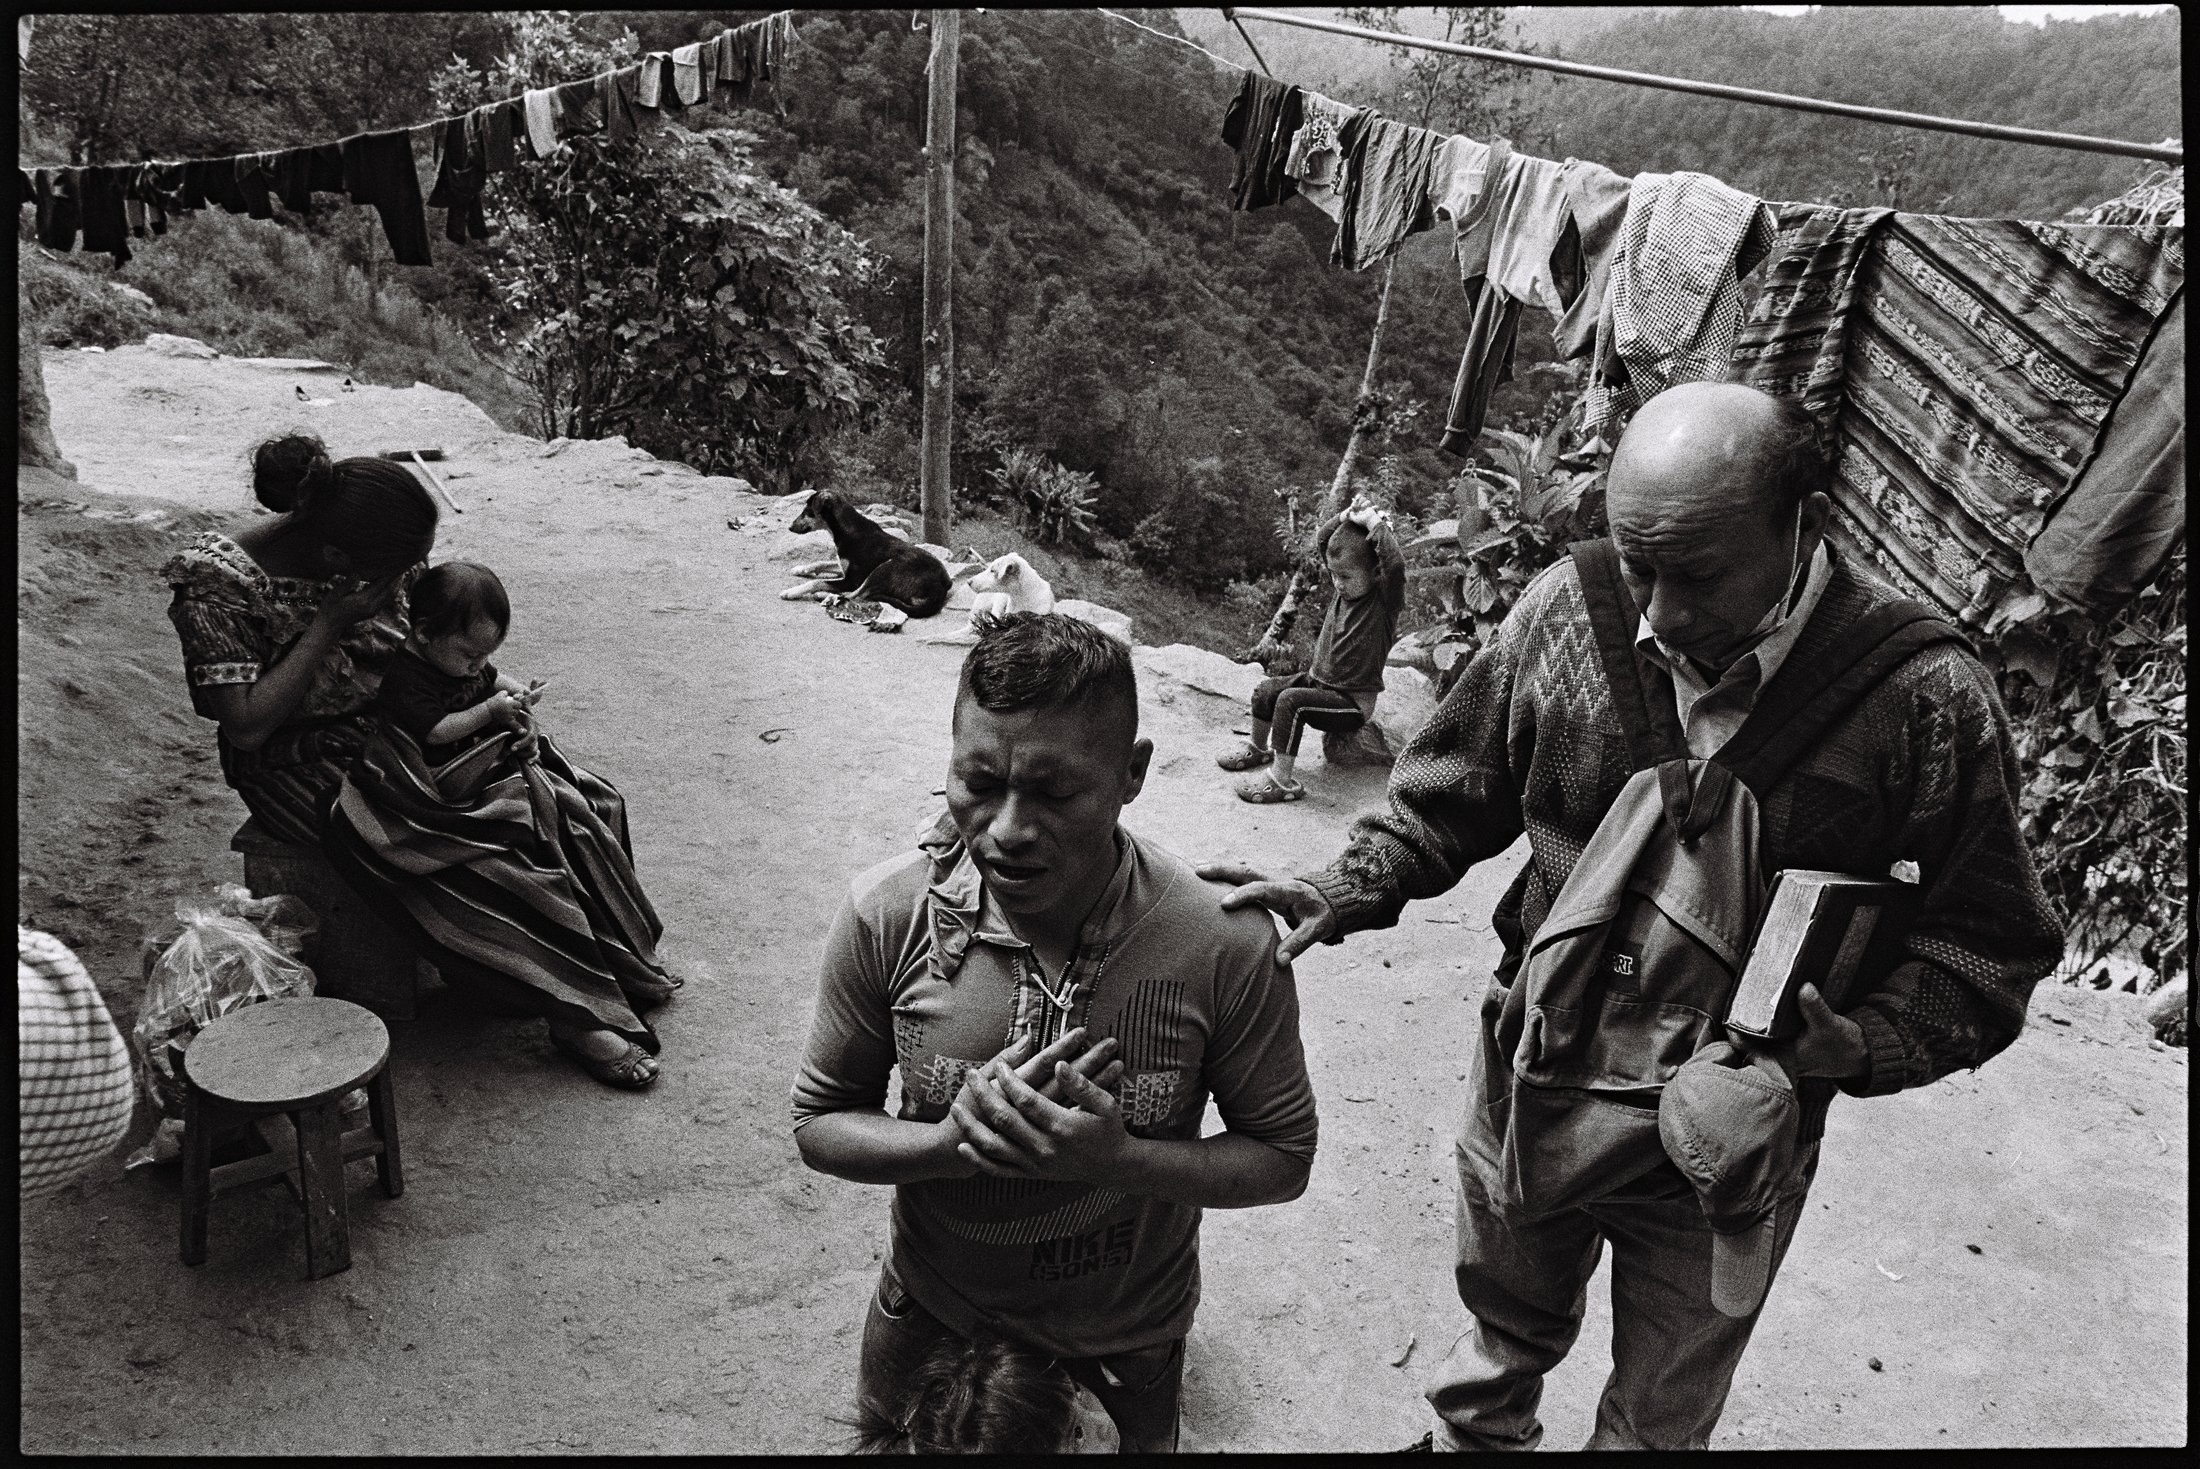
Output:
(874, 565)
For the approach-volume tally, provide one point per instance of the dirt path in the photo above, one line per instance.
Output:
(577, 1270)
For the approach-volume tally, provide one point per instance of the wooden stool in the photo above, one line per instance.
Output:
(294, 1059)
(355, 955)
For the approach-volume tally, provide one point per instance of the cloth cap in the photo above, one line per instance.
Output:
(1729, 1120)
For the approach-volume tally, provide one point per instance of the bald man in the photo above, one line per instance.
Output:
(1718, 508)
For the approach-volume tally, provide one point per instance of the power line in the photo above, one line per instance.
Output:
(2160, 152)
(1179, 40)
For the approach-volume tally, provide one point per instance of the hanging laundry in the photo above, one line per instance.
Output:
(1315, 159)
(1260, 123)
(687, 73)
(58, 212)
(1528, 232)
(214, 181)
(739, 54)
(1389, 171)
(100, 215)
(1674, 303)
(300, 173)
(652, 88)
(501, 123)
(1965, 366)
(378, 170)
(255, 178)
(2118, 523)
(541, 105)
(614, 91)
(459, 179)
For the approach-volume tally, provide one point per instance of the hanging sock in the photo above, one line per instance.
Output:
(378, 171)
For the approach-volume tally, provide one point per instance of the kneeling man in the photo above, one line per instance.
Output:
(1061, 998)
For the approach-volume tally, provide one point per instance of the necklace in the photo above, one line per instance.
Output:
(1061, 1001)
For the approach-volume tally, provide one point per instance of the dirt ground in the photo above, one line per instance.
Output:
(1996, 1260)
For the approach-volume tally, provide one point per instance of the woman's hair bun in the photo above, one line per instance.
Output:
(288, 470)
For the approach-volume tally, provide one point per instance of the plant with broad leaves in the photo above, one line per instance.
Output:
(1057, 502)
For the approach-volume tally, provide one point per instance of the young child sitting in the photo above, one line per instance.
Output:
(1338, 690)
(441, 689)
(988, 1396)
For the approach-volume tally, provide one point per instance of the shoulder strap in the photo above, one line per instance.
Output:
(1642, 692)
(1805, 700)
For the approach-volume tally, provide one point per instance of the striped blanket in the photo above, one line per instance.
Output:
(1967, 366)
(521, 868)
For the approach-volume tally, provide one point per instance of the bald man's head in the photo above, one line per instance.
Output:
(1716, 499)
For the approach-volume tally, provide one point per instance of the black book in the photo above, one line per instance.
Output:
(1830, 929)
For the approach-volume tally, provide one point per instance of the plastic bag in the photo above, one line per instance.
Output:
(237, 951)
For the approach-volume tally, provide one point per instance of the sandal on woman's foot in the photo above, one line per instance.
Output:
(624, 1072)
(1268, 793)
(1245, 758)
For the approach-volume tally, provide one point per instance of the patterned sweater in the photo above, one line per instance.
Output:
(1922, 769)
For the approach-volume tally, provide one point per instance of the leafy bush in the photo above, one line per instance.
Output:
(1057, 503)
(665, 289)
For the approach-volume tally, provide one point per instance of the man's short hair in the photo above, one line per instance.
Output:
(1794, 458)
(1047, 660)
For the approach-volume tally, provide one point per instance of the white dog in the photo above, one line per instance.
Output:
(1010, 585)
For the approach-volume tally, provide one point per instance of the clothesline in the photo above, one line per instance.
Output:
(2165, 152)
(436, 124)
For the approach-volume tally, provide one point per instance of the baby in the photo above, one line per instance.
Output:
(1338, 691)
(441, 688)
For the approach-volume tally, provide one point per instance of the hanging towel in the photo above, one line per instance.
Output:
(737, 53)
(1965, 368)
(541, 105)
(1675, 299)
(1389, 175)
(687, 73)
(378, 170)
(1260, 123)
(650, 89)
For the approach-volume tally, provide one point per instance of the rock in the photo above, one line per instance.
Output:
(172, 346)
(132, 292)
(2166, 1009)
(1210, 673)
(817, 545)
(286, 364)
(1408, 700)
(674, 466)
(1116, 624)
(554, 447)
(1366, 746)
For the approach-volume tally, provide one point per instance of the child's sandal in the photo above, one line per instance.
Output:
(1268, 793)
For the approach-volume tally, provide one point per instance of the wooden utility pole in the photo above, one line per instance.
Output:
(939, 277)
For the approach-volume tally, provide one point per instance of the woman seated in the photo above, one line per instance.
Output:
(288, 627)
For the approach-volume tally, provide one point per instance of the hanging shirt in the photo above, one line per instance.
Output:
(922, 974)
(378, 170)
(1674, 304)
(2110, 533)
(1260, 123)
(1387, 192)
(1966, 368)
(1315, 160)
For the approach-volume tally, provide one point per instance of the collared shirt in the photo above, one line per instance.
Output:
(922, 975)
(1712, 712)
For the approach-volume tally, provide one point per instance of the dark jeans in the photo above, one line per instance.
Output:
(1289, 705)
(1139, 1389)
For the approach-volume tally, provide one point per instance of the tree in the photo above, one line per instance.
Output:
(1448, 93)
(666, 289)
